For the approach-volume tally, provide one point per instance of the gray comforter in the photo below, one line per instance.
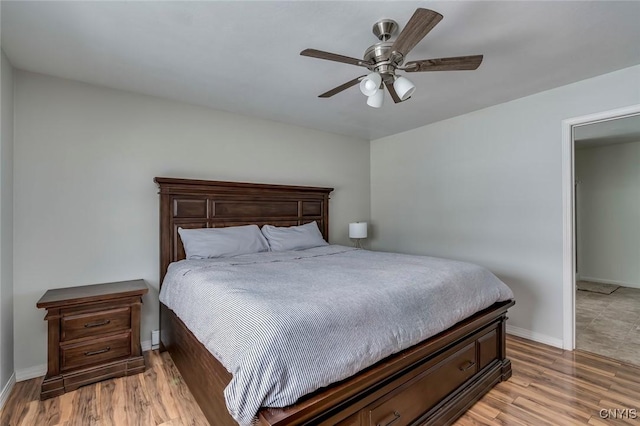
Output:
(287, 323)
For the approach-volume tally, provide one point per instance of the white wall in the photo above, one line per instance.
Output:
(487, 187)
(86, 207)
(6, 226)
(608, 199)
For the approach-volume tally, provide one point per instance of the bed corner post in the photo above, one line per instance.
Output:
(325, 215)
(506, 363)
(165, 253)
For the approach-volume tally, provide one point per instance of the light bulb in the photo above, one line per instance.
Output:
(370, 84)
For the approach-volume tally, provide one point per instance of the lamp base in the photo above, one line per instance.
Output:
(357, 243)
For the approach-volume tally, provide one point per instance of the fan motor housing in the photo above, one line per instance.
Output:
(379, 52)
(380, 55)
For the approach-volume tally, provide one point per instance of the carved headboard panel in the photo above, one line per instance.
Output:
(191, 203)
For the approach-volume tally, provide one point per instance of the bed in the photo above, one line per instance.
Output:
(431, 382)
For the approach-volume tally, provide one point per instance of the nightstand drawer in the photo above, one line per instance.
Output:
(86, 324)
(75, 355)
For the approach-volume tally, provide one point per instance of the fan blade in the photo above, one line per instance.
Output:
(393, 93)
(340, 88)
(458, 63)
(422, 21)
(313, 53)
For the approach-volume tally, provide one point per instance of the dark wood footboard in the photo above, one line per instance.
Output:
(433, 382)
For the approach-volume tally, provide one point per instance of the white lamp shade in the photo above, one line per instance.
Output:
(358, 230)
(376, 100)
(370, 84)
(403, 87)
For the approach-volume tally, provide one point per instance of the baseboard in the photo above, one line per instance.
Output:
(31, 372)
(40, 370)
(146, 345)
(605, 281)
(535, 336)
(4, 395)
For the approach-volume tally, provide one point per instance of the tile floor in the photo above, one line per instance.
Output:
(609, 324)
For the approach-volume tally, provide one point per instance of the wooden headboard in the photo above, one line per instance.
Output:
(189, 203)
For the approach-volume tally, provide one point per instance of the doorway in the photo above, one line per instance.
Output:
(607, 216)
(569, 129)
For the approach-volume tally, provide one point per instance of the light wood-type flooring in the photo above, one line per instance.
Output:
(549, 387)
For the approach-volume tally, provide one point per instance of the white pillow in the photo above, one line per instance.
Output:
(206, 243)
(293, 237)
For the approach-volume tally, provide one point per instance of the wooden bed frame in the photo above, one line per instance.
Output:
(433, 382)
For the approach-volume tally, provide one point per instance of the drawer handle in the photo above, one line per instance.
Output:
(101, 351)
(467, 366)
(97, 323)
(390, 419)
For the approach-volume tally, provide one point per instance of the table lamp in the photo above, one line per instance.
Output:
(357, 231)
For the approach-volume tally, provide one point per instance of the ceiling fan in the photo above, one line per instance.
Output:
(386, 57)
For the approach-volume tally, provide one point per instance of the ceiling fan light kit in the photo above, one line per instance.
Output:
(385, 58)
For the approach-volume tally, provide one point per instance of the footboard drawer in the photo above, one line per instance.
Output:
(488, 346)
(408, 402)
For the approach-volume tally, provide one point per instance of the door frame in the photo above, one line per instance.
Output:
(568, 213)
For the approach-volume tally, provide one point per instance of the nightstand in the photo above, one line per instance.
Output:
(93, 334)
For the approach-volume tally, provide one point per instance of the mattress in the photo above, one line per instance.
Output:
(285, 324)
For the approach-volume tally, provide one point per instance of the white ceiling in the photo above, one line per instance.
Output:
(243, 57)
(621, 130)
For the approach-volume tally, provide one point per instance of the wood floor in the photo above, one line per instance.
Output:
(549, 387)
(158, 396)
